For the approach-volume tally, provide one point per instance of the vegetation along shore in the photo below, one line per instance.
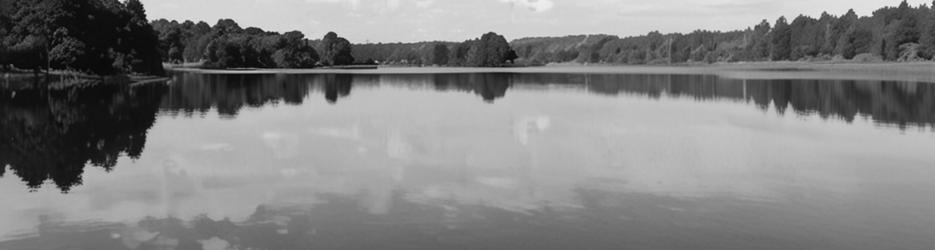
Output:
(108, 37)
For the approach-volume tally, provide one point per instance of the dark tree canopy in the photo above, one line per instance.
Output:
(335, 50)
(107, 37)
(227, 45)
(93, 36)
(440, 54)
(781, 40)
(511, 56)
(489, 51)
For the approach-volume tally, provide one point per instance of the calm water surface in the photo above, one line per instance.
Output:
(478, 161)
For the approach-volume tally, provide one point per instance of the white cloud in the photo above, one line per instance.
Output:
(534, 5)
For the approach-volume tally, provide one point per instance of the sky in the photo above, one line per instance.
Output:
(363, 21)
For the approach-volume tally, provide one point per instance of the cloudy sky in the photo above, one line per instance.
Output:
(456, 20)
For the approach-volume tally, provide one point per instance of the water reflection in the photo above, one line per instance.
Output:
(899, 104)
(191, 93)
(337, 86)
(604, 220)
(52, 134)
(488, 160)
(488, 86)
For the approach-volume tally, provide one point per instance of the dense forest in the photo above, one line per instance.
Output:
(902, 33)
(227, 45)
(490, 50)
(101, 37)
(109, 37)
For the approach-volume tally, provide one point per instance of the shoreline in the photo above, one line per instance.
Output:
(877, 71)
(910, 72)
(61, 80)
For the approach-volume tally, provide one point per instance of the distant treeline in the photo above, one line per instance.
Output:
(227, 45)
(902, 33)
(490, 50)
(101, 37)
(109, 37)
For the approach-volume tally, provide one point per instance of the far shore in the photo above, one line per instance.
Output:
(911, 72)
(905, 72)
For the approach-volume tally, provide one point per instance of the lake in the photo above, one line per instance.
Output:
(470, 160)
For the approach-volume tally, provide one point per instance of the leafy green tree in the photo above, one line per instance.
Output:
(228, 47)
(94, 36)
(293, 52)
(806, 36)
(342, 52)
(68, 53)
(226, 26)
(170, 39)
(29, 53)
(840, 27)
(195, 48)
(460, 53)
(489, 51)
(143, 43)
(335, 50)
(759, 41)
(440, 54)
(511, 56)
(901, 28)
(927, 38)
(780, 41)
(857, 41)
(888, 33)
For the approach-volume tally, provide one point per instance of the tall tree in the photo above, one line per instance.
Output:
(94, 36)
(901, 28)
(440, 54)
(335, 50)
(489, 51)
(759, 44)
(927, 38)
(780, 40)
(806, 36)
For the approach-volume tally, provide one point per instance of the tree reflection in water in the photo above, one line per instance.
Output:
(54, 134)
